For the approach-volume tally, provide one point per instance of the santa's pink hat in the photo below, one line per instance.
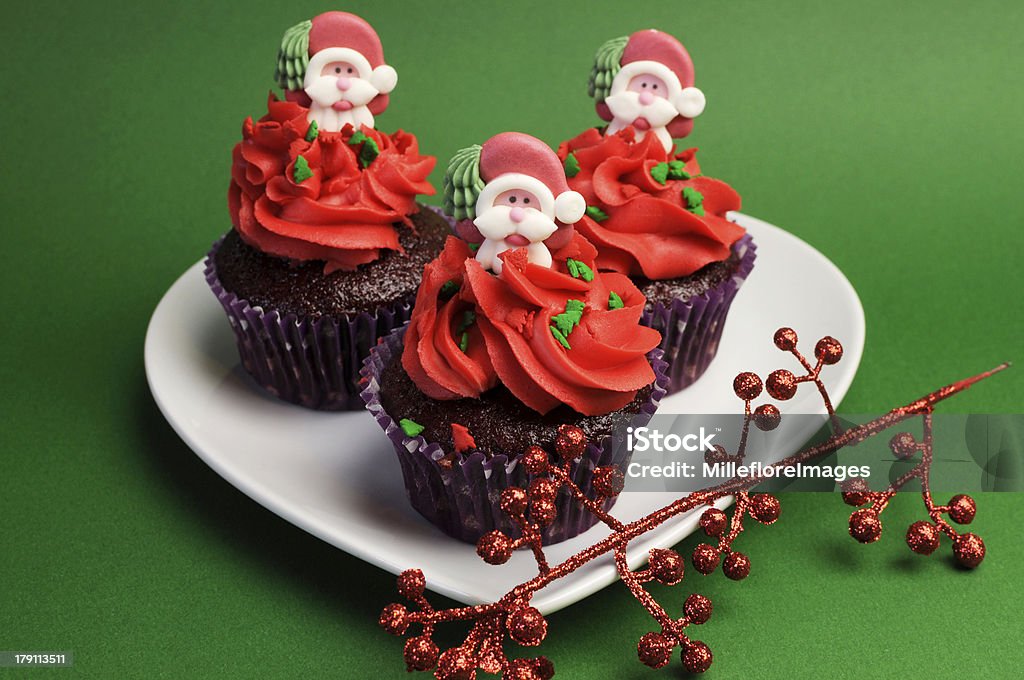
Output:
(342, 29)
(518, 152)
(652, 45)
(515, 153)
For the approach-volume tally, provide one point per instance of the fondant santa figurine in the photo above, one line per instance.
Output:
(646, 81)
(334, 64)
(511, 193)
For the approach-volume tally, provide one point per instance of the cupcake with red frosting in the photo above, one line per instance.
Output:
(651, 213)
(515, 332)
(328, 240)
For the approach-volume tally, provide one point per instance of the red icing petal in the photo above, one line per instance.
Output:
(513, 374)
(260, 163)
(413, 361)
(608, 185)
(345, 236)
(338, 160)
(468, 373)
(282, 189)
(431, 356)
(649, 232)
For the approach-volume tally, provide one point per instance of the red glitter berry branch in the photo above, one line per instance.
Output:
(533, 508)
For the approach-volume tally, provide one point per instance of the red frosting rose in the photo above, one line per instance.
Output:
(470, 329)
(654, 226)
(326, 206)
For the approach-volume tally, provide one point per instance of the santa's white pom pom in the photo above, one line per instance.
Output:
(384, 78)
(569, 207)
(690, 102)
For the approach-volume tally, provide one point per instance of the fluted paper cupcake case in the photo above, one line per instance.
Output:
(311, 362)
(691, 329)
(463, 500)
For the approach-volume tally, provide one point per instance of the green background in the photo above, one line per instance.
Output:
(888, 137)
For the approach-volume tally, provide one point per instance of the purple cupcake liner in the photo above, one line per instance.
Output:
(312, 362)
(463, 500)
(691, 329)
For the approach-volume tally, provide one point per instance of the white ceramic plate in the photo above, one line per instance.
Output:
(335, 474)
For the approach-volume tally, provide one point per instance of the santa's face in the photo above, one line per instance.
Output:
(643, 103)
(340, 87)
(648, 86)
(514, 220)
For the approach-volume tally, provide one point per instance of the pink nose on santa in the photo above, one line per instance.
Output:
(344, 83)
(646, 98)
(517, 214)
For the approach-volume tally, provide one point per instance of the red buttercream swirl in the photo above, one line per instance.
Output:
(341, 213)
(509, 337)
(649, 230)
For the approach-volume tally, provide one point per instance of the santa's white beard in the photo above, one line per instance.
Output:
(496, 225)
(324, 93)
(626, 108)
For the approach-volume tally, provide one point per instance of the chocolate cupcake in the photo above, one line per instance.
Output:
(651, 214)
(328, 241)
(510, 340)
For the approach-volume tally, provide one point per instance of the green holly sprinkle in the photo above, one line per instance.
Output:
(369, 151)
(410, 427)
(301, 172)
(567, 320)
(578, 270)
(563, 323)
(468, 319)
(660, 173)
(560, 337)
(614, 301)
(473, 247)
(572, 166)
(596, 214)
(677, 170)
(693, 199)
(448, 290)
(312, 131)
